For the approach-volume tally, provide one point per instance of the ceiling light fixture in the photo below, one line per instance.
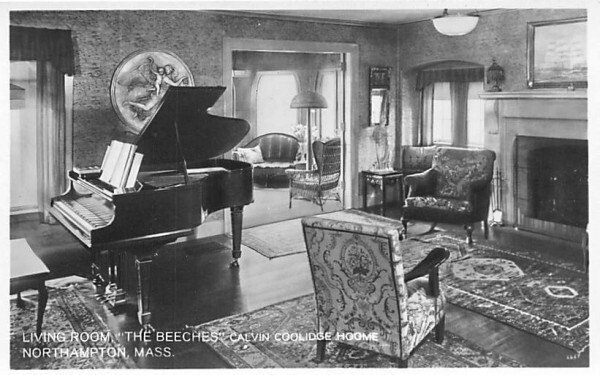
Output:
(453, 25)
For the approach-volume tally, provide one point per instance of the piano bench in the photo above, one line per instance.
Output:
(27, 271)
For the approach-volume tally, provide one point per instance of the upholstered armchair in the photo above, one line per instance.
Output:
(361, 288)
(456, 189)
(415, 159)
(315, 184)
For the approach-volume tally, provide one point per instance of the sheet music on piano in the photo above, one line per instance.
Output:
(121, 165)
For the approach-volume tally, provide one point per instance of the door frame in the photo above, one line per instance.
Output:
(349, 113)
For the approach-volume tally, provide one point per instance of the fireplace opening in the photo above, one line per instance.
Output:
(552, 180)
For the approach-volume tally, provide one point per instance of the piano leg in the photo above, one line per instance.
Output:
(115, 295)
(237, 214)
(143, 265)
(97, 279)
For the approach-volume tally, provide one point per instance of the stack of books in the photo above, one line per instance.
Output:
(121, 165)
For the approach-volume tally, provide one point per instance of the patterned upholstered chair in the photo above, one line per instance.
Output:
(456, 189)
(315, 185)
(362, 289)
(415, 159)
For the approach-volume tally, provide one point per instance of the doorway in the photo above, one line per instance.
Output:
(262, 72)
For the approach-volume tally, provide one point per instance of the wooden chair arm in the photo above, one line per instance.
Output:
(430, 266)
(420, 183)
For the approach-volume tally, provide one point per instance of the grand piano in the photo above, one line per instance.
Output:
(182, 180)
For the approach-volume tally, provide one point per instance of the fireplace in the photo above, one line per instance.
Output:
(551, 181)
(540, 140)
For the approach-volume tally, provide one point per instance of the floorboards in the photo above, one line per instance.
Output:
(193, 284)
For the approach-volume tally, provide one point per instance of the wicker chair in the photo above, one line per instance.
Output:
(361, 287)
(315, 185)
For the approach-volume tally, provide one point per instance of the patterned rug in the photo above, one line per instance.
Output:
(277, 342)
(286, 238)
(72, 336)
(275, 240)
(534, 292)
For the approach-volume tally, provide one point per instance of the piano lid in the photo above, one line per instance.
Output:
(201, 135)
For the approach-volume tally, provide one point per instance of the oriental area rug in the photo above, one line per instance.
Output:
(72, 336)
(534, 292)
(281, 343)
(537, 293)
(286, 238)
(275, 240)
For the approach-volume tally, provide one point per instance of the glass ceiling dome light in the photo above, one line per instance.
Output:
(453, 25)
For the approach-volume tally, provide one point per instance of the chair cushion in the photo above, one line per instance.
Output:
(445, 204)
(274, 164)
(250, 155)
(424, 311)
(312, 180)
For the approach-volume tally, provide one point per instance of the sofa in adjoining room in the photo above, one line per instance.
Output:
(270, 154)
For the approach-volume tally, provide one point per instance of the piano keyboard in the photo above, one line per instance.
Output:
(88, 212)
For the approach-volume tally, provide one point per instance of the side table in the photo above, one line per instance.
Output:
(388, 182)
(27, 271)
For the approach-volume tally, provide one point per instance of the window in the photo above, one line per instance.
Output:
(274, 93)
(444, 130)
(442, 113)
(329, 87)
(451, 112)
(475, 115)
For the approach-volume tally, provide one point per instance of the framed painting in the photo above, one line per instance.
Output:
(139, 83)
(557, 53)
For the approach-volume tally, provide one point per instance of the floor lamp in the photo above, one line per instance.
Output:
(309, 100)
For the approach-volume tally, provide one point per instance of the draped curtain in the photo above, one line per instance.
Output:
(53, 52)
(459, 98)
(426, 129)
(459, 78)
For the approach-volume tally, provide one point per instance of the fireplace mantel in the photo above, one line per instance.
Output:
(534, 113)
(536, 94)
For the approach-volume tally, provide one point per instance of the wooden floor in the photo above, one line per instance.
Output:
(193, 283)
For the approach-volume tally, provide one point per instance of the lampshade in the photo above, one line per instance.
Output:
(453, 25)
(308, 99)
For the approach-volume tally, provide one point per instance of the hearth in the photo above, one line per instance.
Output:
(552, 180)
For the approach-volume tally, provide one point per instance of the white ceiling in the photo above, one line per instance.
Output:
(368, 16)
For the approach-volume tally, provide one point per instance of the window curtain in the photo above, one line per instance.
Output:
(459, 78)
(459, 98)
(428, 76)
(425, 135)
(53, 51)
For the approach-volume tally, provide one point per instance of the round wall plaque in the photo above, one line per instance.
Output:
(140, 82)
